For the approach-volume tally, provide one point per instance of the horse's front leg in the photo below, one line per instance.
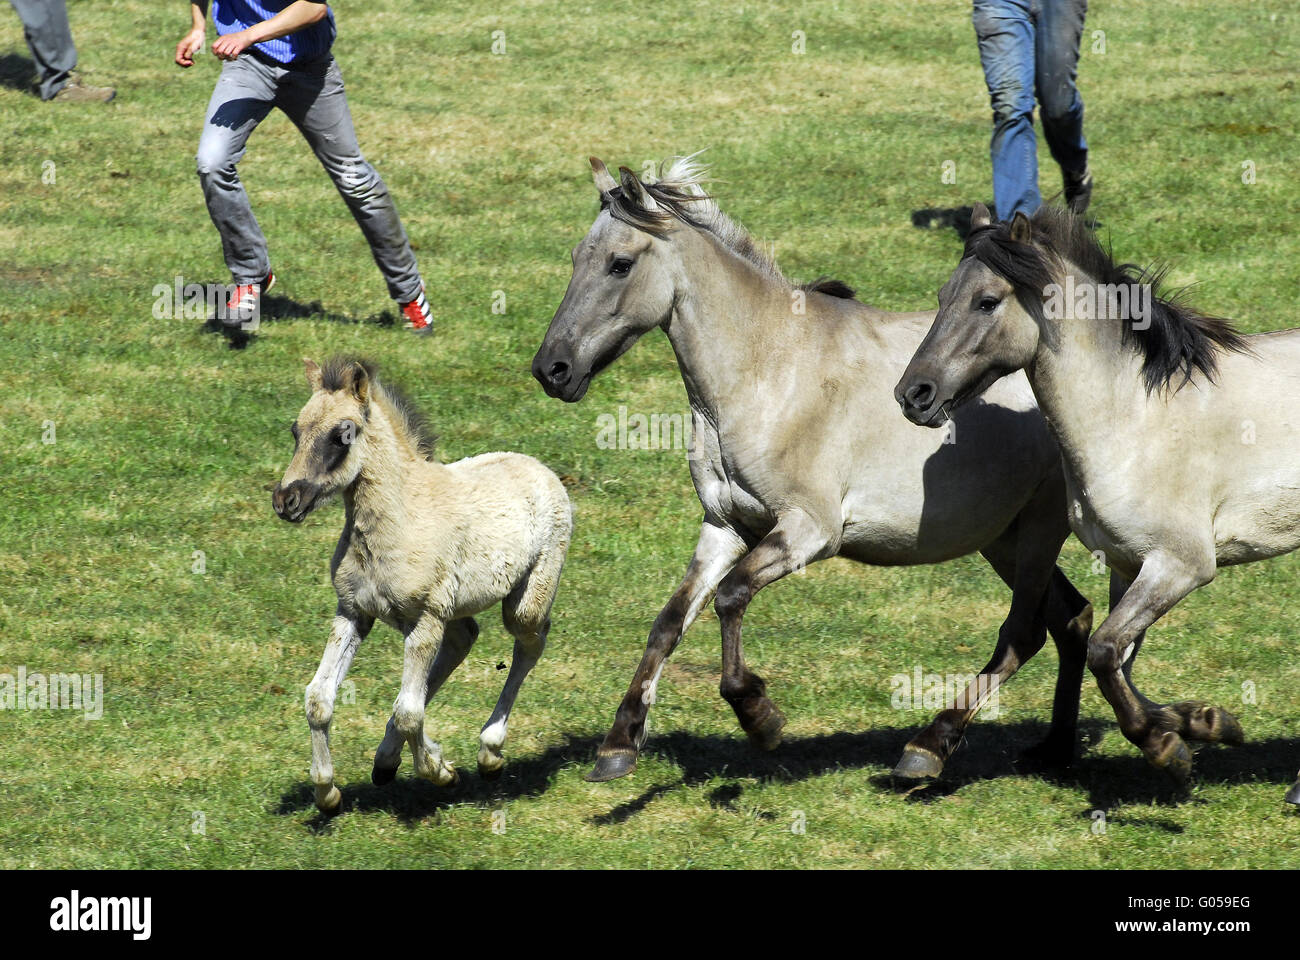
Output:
(348, 631)
(796, 541)
(1162, 582)
(423, 641)
(457, 640)
(718, 548)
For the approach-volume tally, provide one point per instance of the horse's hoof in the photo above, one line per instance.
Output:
(918, 763)
(1210, 724)
(767, 734)
(1052, 753)
(331, 803)
(1173, 757)
(612, 765)
(382, 776)
(490, 765)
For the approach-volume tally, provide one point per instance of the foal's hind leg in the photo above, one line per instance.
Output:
(526, 612)
(1191, 719)
(796, 541)
(1028, 564)
(457, 640)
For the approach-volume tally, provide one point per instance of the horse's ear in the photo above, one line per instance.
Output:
(634, 188)
(359, 382)
(313, 373)
(980, 217)
(1021, 230)
(600, 173)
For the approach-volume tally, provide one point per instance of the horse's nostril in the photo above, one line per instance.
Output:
(920, 395)
(558, 373)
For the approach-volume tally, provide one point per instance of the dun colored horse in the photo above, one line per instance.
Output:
(425, 546)
(798, 458)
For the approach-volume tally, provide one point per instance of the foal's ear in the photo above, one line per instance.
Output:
(600, 173)
(1021, 230)
(634, 188)
(313, 373)
(980, 216)
(358, 382)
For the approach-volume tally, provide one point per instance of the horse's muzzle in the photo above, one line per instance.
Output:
(295, 501)
(557, 379)
(919, 401)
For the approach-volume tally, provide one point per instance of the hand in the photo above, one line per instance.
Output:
(190, 45)
(231, 45)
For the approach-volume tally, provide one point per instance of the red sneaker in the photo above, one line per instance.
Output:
(244, 302)
(416, 314)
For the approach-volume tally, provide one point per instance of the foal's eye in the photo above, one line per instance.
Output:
(989, 304)
(621, 266)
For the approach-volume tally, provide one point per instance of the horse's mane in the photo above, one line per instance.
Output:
(411, 425)
(1178, 339)
(680, 197)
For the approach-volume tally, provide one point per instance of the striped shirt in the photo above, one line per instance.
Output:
(310, 42)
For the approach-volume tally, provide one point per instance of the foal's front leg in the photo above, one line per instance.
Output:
(796, 541)
(422, 644)
(349, 630)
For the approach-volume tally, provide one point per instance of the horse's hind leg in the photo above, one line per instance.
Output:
(457, 640)
(1069, 621)
(796, 541)
(1027, 563)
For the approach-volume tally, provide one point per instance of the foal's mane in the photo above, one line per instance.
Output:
(411, 425)
(1179, 340)
(680, 197)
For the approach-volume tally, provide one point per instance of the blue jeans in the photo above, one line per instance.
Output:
(1030, 48)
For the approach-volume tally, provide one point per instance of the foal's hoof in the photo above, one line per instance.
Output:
(382, 776)
(766, 734)
(918, 763)
(1173, 757)
(612, 765)
(1293, 795)
(331, 803)
(1210, 724)
(490, 764)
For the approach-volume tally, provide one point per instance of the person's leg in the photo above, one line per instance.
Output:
(1006, 41)
(1060, 29)
(45, 25)
(244, 94)
(313, 98)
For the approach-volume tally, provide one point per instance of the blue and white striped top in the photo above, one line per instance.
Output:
(310, 42)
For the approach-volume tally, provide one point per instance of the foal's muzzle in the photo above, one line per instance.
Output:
(295, 501)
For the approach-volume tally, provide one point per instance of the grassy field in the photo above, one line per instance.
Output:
(167, 441)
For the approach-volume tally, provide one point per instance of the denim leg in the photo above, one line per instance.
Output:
(1005, 32)
(244, 95)
(49, 38)
(1060, 28)
(314, 99)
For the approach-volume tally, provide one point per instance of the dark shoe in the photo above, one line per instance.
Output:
(1078, 191)
(75, 91)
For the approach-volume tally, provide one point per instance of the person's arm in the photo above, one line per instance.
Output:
(299, 14)
(192, 42)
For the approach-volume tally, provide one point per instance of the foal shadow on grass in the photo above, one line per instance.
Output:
(276, 307)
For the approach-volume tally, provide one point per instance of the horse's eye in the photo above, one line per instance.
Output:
(989, 304)
(621, 266)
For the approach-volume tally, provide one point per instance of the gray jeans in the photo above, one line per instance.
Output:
(45, 25)
(312, 97)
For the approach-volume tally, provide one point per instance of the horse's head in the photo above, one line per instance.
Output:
(623, 285)
(327, 434)
(985, 328)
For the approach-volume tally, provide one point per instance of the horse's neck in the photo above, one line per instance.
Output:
(723, 302)
(1089, 385)
(378, 501)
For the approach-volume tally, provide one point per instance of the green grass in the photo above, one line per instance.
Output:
(168, 441)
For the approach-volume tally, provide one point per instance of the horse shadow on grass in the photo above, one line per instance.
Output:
(276, 307)
(990, 752)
